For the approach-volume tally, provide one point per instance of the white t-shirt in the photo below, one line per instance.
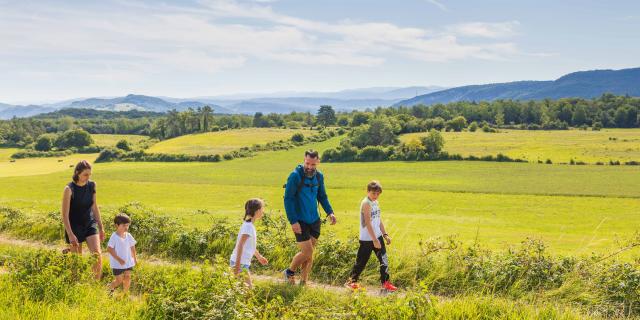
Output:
(249, 246)
(374, 213)
(122, 246)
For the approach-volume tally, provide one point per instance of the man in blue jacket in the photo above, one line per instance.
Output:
(303, 191)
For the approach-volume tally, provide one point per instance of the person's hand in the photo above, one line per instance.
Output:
(332, 218)
(296, 228)
(101, 234)
(263, 261)
(135, 260)
(387, 238)
(236, 270)
(73, 240)
(376, 244)
(121, 261)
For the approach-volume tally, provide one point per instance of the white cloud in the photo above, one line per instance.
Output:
(117, 38)
(485, 30)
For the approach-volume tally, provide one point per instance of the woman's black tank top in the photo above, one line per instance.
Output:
(80, 213)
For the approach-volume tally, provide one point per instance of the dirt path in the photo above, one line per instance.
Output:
(8, 240)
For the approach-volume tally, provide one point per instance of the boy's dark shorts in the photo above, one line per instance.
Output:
(117, 272)
(308, 230)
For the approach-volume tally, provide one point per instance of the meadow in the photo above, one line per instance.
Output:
(222, 141)
(534, 145)
(574, 209)
(570, 212)
(110, 140)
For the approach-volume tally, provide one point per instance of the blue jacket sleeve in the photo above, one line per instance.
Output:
(290, 197)
(323, 198)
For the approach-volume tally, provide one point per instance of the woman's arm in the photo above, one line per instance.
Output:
(96, 213)
(66, 203)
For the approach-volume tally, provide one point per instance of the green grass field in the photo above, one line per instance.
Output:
(559, 146)
(222, 141)
(110, 140)
(576, 209)
(38, 166)
(5, 153)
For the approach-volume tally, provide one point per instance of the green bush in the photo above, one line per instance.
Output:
(123, 145)
(74, 138)
(45, 142)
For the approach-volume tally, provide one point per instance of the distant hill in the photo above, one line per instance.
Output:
(584, 84)
(279, 102)
(93, 113)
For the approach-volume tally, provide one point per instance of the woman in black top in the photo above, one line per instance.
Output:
(81, 216)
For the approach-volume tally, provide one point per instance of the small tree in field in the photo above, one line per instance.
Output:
(433, 142)
(326, 116)
(123, 145)
(45, 142)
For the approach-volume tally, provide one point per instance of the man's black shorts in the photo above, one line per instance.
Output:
(308, 231)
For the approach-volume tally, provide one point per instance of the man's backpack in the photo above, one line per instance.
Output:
(317, 175)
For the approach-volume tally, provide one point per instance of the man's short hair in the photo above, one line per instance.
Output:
(374, 186)
(313, 154)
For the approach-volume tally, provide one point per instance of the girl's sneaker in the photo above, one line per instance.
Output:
(388, 287)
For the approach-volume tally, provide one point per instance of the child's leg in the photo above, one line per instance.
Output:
(247, 279)
(364, 252)
(116, 282)
(381, 254)
(126, 281)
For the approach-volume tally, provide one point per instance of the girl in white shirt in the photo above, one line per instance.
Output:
(246, 244)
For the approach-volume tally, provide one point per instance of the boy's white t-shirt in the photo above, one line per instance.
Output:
(249, 246)
(122, 246)
(374, 213)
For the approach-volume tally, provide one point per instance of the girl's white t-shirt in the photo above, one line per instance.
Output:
(374, 213)
(249, 246)
(122, 246)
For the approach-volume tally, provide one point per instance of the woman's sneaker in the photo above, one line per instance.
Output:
(387, 287)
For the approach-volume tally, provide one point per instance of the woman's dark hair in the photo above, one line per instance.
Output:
(250, 208)
(121, 218)
(81, 166)
(374, 186)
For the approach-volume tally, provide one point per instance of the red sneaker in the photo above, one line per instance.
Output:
(388, 286)
(352, 285)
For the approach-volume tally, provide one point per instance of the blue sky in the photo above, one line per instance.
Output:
(54, 50)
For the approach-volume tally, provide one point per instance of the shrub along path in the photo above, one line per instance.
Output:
(155, 261)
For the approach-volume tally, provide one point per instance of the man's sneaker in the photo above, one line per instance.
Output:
(289, 276)
(352, 285)
(388, 287)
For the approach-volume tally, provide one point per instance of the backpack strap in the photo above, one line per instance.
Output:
(301, 183)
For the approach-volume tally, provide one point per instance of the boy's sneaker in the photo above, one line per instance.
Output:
(352, 285)
(289, 276)
(388, 287)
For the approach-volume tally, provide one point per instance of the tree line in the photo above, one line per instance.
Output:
(606, 111)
